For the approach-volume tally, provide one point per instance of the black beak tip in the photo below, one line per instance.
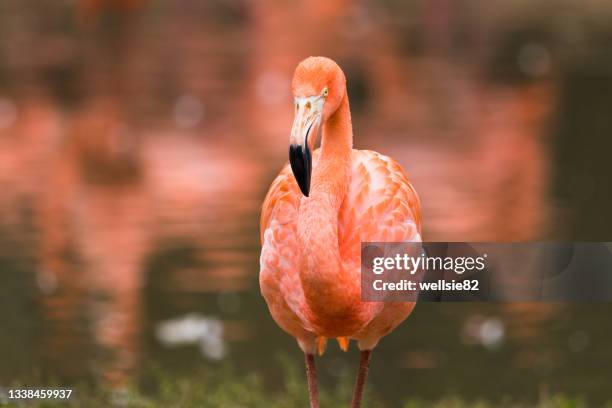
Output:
(301, 165)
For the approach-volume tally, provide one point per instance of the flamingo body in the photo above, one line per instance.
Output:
(380, 206)
(314, 218)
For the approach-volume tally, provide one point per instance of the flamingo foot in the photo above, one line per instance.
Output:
(321, 343)
(362, 375)
(311, 375)
(343, 342)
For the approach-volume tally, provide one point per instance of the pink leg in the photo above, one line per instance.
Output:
(311, 374)
(362, 375)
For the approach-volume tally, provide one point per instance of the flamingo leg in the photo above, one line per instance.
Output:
(362, 375)
(311, 374)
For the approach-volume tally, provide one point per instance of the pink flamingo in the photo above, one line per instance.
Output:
(310, 257)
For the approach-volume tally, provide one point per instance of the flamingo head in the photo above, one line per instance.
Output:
(318, 88)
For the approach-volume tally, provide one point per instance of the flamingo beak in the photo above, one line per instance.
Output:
(304, 132)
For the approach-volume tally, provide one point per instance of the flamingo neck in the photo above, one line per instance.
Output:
(330, 176)
(329, 290)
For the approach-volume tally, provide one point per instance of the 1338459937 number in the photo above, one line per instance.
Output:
(39, 393)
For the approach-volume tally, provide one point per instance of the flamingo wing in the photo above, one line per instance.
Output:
(380, 206)
(279, 277)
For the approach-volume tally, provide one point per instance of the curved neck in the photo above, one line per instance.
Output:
(329, 290)
(330, 174)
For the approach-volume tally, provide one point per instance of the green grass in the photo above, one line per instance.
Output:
(227, 389)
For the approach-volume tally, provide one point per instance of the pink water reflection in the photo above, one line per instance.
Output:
(184, 123)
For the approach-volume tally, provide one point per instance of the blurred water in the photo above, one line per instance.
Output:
(136, 148)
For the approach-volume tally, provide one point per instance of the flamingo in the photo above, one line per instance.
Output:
(318, 210)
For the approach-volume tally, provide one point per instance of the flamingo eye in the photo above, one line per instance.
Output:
(325, 92)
